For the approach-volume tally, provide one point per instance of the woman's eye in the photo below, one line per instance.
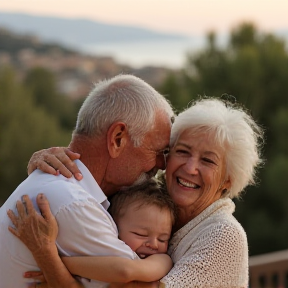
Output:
(209, 160)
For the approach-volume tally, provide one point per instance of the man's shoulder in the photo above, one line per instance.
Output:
(58, 189)
(49, 183)
(63, 191)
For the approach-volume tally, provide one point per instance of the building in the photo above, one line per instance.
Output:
(269, 270)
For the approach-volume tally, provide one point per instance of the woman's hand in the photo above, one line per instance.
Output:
(39, 278)
(37, 232)
(55, 160)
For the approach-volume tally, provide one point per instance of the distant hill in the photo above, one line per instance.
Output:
(75, 31)
(12, 43)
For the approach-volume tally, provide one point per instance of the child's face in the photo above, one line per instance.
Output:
(146, 229)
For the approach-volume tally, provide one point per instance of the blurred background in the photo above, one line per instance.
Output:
(52, 52)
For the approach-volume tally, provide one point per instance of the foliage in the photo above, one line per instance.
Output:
(25, 128)
(253, 67)
(41, 83)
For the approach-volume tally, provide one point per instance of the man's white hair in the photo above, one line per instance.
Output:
(123, 98)
(230, 127)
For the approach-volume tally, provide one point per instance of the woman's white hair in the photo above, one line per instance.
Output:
(233, 129)
(124, 98)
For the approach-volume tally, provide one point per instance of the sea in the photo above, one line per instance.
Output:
(170, 53)
(163, 53)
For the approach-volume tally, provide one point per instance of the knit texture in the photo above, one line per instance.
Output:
(210, 251)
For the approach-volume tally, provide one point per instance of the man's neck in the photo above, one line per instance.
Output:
(94, 155)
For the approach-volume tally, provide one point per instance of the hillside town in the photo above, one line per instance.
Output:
(75, 72)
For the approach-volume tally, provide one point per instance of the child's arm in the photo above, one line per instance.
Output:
(117, 269)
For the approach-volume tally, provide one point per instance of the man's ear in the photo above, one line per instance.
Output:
(117, 138)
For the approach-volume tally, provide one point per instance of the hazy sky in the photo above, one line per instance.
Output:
(184, 16)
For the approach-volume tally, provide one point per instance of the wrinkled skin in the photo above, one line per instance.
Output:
(55, 160)
(33, 229)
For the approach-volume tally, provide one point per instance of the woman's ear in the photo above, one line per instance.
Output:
(226, 186)
(117, 138)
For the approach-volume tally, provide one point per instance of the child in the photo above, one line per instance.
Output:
(144, 215)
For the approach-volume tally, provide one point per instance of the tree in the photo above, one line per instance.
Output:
(25, 128)
(43, 87)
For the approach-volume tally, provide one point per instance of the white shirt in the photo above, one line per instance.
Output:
(85, 226)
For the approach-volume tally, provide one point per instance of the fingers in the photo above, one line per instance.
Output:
(72, 155)
(36, 275)
(13, 231)
(37, 232)
(14, 220)
(40, 160)
(12, 217)
(69, 164)
(21, 208)
(62, 160)
(24, 208)
(44, 206)
(55, 160)
(28, 204)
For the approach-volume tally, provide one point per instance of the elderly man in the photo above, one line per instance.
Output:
(122, 129)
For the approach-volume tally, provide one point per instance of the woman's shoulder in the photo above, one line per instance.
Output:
(220, 245)
(223, 226)
(222, 238)
(217, 221)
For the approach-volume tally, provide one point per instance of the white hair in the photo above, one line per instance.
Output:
(233, 129)
(124, 98)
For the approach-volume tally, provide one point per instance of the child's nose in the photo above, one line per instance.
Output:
(152, 243)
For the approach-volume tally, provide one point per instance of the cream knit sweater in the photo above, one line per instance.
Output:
(209, 251)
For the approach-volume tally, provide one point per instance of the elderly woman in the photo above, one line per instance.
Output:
(214, 150)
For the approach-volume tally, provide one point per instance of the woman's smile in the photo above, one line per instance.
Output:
(187, 184)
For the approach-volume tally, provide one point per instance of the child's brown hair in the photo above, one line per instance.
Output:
(151, 192)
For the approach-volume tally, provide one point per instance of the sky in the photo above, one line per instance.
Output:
(188, 17)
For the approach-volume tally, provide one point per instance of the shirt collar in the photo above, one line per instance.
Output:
(91, 186)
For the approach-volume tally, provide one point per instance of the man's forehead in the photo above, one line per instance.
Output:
(159, 135)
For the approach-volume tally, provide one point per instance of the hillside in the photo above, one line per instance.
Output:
(74, 71)
(75, 31)
(13, 43)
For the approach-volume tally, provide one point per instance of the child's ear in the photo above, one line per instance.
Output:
(117, 138)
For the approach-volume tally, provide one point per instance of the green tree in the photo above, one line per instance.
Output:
(25, 128)
(43, 87)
